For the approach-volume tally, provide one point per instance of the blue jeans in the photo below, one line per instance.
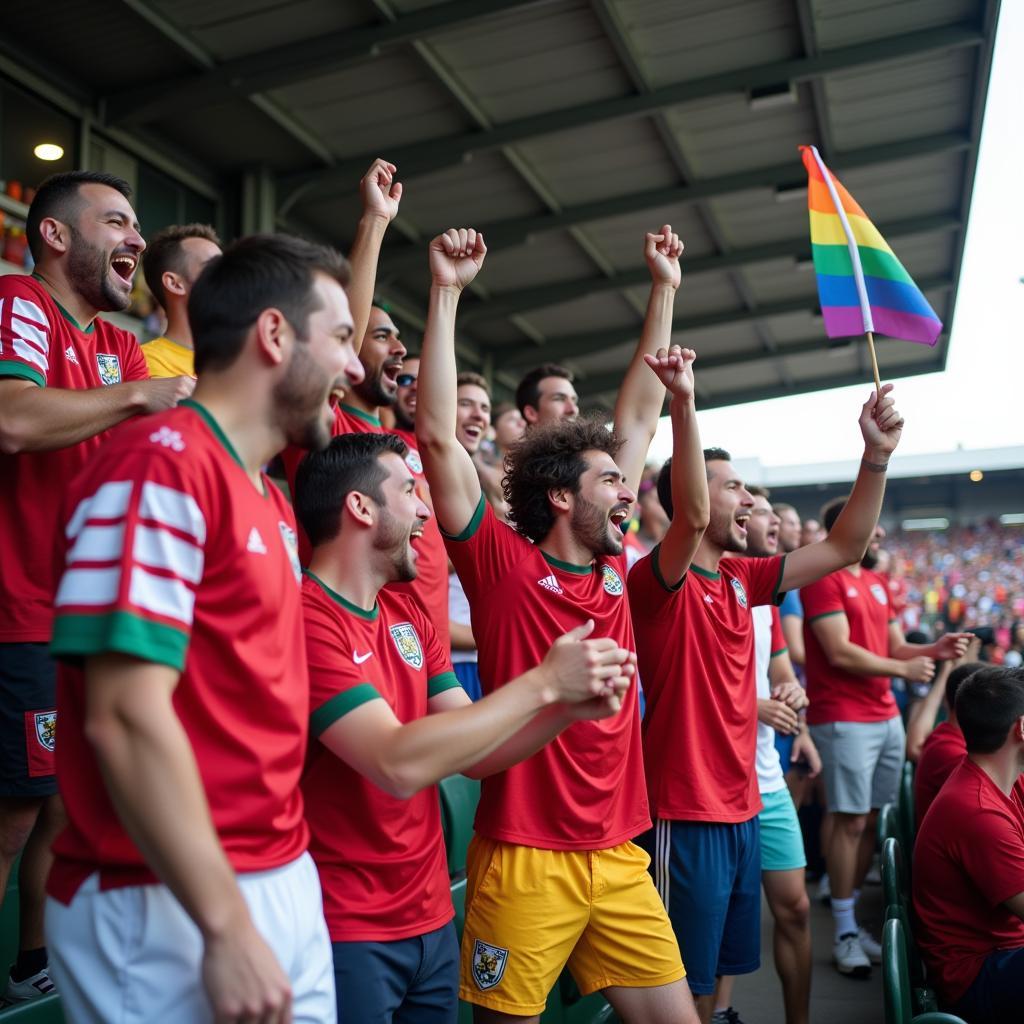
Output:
(997, 993)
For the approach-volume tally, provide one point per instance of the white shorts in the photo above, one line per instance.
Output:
(132, 955)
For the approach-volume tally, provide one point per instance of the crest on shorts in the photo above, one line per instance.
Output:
(414, 462)
(741, 594)
(879, 594)
(291, 545)
(110, 368)
(408, 644)
(46, 729)
(612, 581)
(488, 964)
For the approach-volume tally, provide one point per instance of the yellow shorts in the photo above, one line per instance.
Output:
(531, 912)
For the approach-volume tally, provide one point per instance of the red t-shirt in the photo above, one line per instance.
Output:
(39, 342)
(695, 643)
(173, 556)
(381, 860)
(430, 587)
(585, 789)
(835, 695)
(968, 859)
(943, 750)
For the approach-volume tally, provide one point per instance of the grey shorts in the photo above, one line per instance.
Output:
(861, 763)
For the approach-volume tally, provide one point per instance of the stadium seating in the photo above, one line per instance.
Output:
(894, 874)
(896, 981)
(905, 809)
(888, 825)
(40, 1011)
(459, 797)
(922, 997)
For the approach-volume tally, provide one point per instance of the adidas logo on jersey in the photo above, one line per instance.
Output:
(255, 543)
(69, 354)
(550, 583)
(708, 599)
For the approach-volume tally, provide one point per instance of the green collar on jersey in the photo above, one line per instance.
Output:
(374, 421)
(215, 429)
(703, 572)
(369, 616)
(64, 313)
(579, 570)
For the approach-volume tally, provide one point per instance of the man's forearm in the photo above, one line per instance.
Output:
(858, 661)
(436, 403)
(855, 526)
(690, 500)
(363, 258)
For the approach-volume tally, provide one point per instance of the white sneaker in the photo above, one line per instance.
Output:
(872, 949)
(824, 890)
(849, 958)
(35, 987)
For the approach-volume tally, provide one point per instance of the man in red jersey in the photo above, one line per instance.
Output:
(553, 876)
(184, 689)
(944, 748)
(969, 859)
(66, 378)
(392, 720)
(700, 728)
(854, 645)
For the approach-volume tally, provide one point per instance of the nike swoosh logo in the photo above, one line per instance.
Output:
(360, 658)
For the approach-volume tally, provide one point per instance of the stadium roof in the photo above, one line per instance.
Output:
(565, 129)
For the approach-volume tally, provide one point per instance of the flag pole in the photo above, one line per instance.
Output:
(874, 361)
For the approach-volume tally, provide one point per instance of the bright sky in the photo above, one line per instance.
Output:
(978, 402)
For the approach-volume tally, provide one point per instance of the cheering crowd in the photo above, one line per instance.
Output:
(246, 701)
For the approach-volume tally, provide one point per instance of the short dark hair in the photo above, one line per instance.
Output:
(757, 491)
(164, 253)
(254, 274)
(665, 475)
(58, 197)
(548, 457)
(831, 511)
(779, 507)
(528, 389)
(476, 379)
(957, 678)
(326, 478)
(987, 705)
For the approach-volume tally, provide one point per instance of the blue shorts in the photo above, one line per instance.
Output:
(408, 981)
(784, 745)
(782, 843)
(996, 994)
(468, 676)
(708, 875)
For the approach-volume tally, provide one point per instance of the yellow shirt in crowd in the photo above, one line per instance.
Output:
(166, 358)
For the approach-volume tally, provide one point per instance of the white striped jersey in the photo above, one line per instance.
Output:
(39, 342)
(172, 555)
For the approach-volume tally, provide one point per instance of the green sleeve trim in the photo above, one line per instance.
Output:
(80, 636)
(781, 650)
(656, 569)
(340, 705)
(893, 619)
(474, 523)
(776, 596)
(441, 682)
(825, 615)
(12, 368)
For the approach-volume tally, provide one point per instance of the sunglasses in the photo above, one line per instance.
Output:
(404, 380)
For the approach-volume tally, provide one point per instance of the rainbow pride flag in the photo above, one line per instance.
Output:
(861, 284)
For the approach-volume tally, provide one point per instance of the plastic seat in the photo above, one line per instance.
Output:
(39, 1011)
(459, 797)
(888, 824)
(905, 809)
(894, 874)
(896, 981)
(922, 997)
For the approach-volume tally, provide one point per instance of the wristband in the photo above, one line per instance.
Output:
(874, 467)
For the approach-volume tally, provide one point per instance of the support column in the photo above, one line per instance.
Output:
(259, 208)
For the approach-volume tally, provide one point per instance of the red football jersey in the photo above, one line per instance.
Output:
(382, 860)
(585, 789)
(835, 695)
(173, 556)
(430, 587)
(963, 873)
(943, 750)
(695, 642)
(40, 342)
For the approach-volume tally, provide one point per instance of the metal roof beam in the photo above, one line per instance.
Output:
(588, 342)
(295, 62)
(421, 158)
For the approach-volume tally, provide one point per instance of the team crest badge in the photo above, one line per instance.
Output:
(612, 581)
(110, 368)
(408, 644)
(414, 462)
(291, 545)
(878, 593)
(488, 964)
(46, 729)
(741, 594)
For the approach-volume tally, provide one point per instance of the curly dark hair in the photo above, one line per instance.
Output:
(550, 457)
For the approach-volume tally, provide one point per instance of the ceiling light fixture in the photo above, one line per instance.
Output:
(48, 151)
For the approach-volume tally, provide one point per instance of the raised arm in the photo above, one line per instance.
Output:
(381, 195)
(949, 646)
(403, 759)
(638, 406)
(833, 633)
(921, 720)
(691, 506)
(153, 781)
(881, 426)
(455, 258)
